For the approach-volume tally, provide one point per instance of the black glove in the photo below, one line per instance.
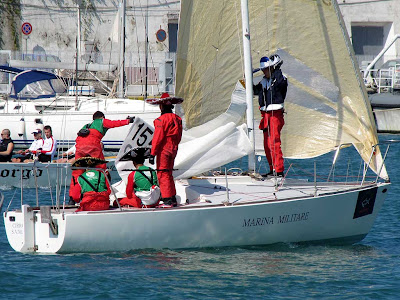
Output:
(131, 119)
(151, 159)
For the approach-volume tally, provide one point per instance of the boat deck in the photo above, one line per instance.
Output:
(212, 191)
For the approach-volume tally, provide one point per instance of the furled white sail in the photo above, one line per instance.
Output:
(326, 104)
(198, 151)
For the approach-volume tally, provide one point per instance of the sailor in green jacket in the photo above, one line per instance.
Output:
(141, 182)
(94, 188)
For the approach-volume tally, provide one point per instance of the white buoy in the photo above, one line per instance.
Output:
(39, 125)
(21, 130)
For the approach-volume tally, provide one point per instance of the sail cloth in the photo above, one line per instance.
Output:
(326, 105)
(199, 151)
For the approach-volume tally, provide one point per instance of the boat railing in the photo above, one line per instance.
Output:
(366, 164)
(61, 186)
(386, 80)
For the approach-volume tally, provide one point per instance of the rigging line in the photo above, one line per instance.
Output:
(154, 69)
(145, 41)
(137, 47)
(109, 62)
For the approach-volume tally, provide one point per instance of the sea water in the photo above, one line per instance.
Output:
(367, 270)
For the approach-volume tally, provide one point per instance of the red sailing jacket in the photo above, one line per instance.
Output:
(167, 134)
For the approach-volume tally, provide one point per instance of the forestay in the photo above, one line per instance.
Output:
(326, 106)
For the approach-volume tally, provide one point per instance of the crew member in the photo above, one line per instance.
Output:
(49, 146)
(28, 154)
(167, 135)
(6, 146)
(88, 143)
(92, 185)
(271, 93)
(143, 179)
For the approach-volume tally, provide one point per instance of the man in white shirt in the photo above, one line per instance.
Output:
(28, 154)
(49, 148)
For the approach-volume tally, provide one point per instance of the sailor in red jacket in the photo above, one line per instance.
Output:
(167, 135)
(88, 143)
(92, 185)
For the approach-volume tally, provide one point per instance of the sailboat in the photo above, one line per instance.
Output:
(326, 111)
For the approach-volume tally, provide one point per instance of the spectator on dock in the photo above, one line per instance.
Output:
(6, 146)
(68, 156)
(49, 148)
(29, 155)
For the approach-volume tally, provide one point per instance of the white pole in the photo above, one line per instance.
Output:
(248, 71)
(369, 67)
(122, 49)
(79, 28)
(77, 53)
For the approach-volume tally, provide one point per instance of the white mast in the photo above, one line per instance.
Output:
(248, 71)
(122, 49)
(77, 53)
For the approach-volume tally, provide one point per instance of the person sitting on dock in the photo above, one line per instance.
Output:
(167, 136)
(88, 143)
(142, 188)
(6, 146)
(92, 185)
(29, 154)
(68, 156)
(49, 149)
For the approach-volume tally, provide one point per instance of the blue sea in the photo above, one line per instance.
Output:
(367, 270)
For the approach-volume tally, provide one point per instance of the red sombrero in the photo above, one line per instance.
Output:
(165, 99)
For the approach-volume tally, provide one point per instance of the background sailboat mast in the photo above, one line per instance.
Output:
(78, 51)
(248, 71)
(146, 49)
(122, 49)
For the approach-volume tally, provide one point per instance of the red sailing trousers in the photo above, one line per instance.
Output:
(271, 124)
(93, 201)
(165, 165)
(166, 138)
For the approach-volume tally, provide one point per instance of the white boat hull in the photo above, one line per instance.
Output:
(257, 221)
(66, 123)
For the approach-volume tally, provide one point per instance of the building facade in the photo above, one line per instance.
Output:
(56, 31)
(372, 25)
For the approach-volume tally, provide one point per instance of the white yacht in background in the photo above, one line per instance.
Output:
(39, 98)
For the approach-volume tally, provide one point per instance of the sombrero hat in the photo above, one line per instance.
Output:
(165, 99)
(131, 154)
(88, 161)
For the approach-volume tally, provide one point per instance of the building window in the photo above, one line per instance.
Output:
(367, 40)
(137, 75)
(172, 36)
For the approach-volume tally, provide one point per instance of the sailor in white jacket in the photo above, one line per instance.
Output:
(49, 146)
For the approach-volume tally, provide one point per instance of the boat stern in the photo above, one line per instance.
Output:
(34, 230)
(19, 227)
